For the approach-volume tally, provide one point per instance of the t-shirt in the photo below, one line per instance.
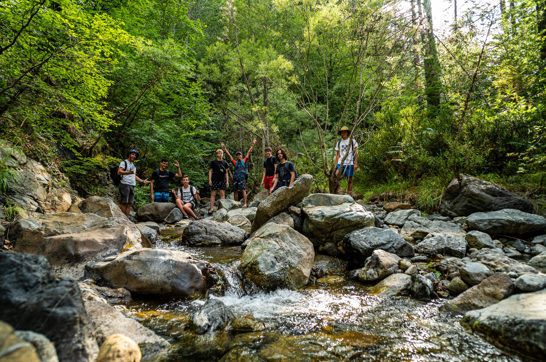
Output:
(269, 165)
(186, 194)
(219, 169)
(129, 179)
(342, 146)
(161, 180)
(240, 171)
(283, 170)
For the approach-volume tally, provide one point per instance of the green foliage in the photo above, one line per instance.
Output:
(89, 175)
(7, 175)
(11, 211)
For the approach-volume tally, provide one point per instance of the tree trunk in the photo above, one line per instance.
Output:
(265, 114)
(541, 26)
(455, 27)
(431, 63)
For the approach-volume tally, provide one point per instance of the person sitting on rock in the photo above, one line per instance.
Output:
(241, 172)
(218, 177)
(187, 198)
(270, 166)
(127, 171)
(285, 174)
(159, 186)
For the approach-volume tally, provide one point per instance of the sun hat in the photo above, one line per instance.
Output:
(135, 151)
(344, 128)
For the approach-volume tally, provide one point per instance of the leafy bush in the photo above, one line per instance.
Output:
(89, 175)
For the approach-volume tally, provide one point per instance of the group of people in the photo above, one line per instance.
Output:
(277, 172)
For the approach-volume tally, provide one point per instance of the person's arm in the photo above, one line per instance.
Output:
(122, 171)
(275, 180)
(196, 196)
(146, 182)
(152, 189)
(210, 176)
(178, 197)
(227, 176)
(263, 178)
(226, 151)
(292, 177)
(179, 173)
(251, 147)
(337, 157)
(356, 158)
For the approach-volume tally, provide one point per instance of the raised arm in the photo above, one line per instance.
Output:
(251, 147)
(177, 165)
(226, 151)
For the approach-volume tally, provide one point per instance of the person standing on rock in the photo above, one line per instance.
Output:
(218, 177)
(241, 171)
(270, 166)
(127, 171)
(350, 162)
(285, 174)
(187, 198)
(159, 186)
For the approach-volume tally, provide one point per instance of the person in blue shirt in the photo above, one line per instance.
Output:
(241, 172)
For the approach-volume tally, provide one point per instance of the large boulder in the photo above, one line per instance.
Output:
(281, 199)
(102, 206)
(518, 322)
(33, 298)
(360, 244)
(417, 228)
(451, 245)
(507, 222)
(277, 256)
(207, 232)
(488, 292)
(466, 194)
(155, 211)
(498, 262)
(156, 272)
(329, 217)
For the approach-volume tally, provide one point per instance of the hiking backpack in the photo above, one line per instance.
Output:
(116, 179)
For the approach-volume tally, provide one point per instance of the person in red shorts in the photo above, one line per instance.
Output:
(270, 166)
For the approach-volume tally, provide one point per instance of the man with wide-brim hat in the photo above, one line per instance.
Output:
(346, 153)
(127, 172)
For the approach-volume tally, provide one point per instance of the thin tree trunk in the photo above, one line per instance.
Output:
(432, 64)
(455, 27)
(541, 26)
(265, 111)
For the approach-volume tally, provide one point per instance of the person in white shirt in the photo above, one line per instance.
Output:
(350, 162)
(127, 171)
(187, 198)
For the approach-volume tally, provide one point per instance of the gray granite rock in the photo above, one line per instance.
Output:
(400, 217)
(531, 282)
(507, 222)
(477, 239)
(473, 273)
(451, 245)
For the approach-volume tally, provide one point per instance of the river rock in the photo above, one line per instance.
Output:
(394, 284)
(477, 239)
(456, 286)
(277, 256)
(518, 322)
(530, 282)
(451, 245)
(284, 219)
(488, 292)
(155, 211)
(507, 222)
(33, 298)
(421, 288)
(328, 265)
(539, 262)
(360, 244)
(473, 273)
(102, 206)
(13, 348)
(220, 215)
(157, 272)
(174, 216)
(466, 194)
(117, 348)
(281, 199)
(148, 232)
(105, 295)
(497, 262)
(395, 206)
(213, 315)
(107, 320)
(228, 204)
(400, 217)
(43, 346)
(329, 217)
(378, 266)
(208, 232)
(241, 222)
(248, 212)
(417, 228)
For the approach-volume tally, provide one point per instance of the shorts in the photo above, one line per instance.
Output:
(127, 193)
(239, 185)
(161, 197)
(268, 182)
(218, 185)
(348, 170)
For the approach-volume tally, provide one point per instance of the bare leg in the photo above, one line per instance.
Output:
(212, 196)
(349, 184)
(189, 210)
(126, 209)
(236, 195)
(180, 205)
(222, 194)
(244, 198)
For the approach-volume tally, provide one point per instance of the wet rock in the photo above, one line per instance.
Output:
(228, 204)
(306, 348)
(535, 250)
(530, 282)
(507, 222)
(394, 284)
(331, 280)
(512, 253)
(43, 346)
(156, 272)
(417, 227)
(209, 232)
(466, 194)
(102, 206)
(477, 239)
(155, 211)
(360, 244)
(541, 239)
(15, 349)
(277, 256)
(412, 270)
(213, 315)
(421, 288)
(378, 266)
(443, 244)
(241, 222)
(395, 206)
(488, 292)
(400, 217)
(148, 232)
(105, 295)
(151, 224)
(473, 273)
(119, 347)
(246, 323)
(34, 299)
(456, 286)
(174, 216)
(329, 217)
(518, 322)
(497, 262)
(283, 218)
(449, 267)
(281, 199)
(328, 265)
(248, 212)
(539, 262)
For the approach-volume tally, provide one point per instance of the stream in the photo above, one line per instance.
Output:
(335, 320)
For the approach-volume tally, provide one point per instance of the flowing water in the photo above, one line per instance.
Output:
(337, 321)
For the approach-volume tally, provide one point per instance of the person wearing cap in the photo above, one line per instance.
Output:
(127, 171)
(350, 161)
(241, 172)
(159, 186)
